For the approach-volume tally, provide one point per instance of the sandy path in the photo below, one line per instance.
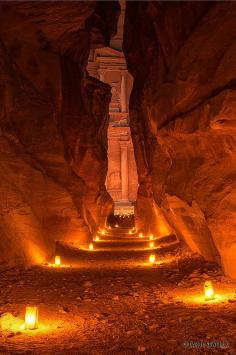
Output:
(119, 305)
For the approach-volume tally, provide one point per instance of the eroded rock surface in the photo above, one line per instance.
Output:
(182, 108)
(53, 123)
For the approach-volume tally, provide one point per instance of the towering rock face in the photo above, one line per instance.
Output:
(53, 123)
(183, 59)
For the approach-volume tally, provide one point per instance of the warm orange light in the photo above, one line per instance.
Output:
(109, 227)
(9, 322)
(130, 232)
(91, 246)
(117, 225)
(209, 291)
(57, 260)
(151, 245)
(133, 228)
(97, 238)
(140, 235)
(102, 231)
(31, 318)
(152, 258)
(151, 237)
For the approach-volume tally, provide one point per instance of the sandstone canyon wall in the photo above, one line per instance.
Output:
(53, 124)
(182, 56)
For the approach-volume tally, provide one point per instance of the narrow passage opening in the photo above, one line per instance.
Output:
(109, 65)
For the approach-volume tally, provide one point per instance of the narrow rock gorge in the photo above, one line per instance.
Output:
(53, 126)
(182, 118)
(54, 120)
(117, 177)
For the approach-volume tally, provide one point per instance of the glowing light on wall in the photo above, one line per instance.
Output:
(162, 224)
(36, 253)
(151, 245)
(31, 318)
(57, 260)
(152, 258)
(91, 247)
(209, 291)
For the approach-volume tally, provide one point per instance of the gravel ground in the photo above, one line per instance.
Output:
(119, 304)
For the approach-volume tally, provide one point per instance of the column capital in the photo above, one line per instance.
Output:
(124, 72)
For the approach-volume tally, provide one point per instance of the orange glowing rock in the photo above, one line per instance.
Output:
(91, 247)
(152, 258)
(57, 260)
(31, 318)
(151, 245)
(209, 291)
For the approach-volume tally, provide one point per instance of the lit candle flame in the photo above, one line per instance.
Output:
(31, 318)
(91, 246)
(152, 258)
(57, 260)
(209, 291)
(151, 245)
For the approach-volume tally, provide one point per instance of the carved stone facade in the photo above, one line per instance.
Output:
(109, 65)
(122, 175)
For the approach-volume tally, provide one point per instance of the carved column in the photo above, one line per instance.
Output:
(123, 99)
(124, 171)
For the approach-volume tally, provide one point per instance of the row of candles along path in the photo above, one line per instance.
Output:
(31, 313)
(151, 236)
(208, 287)
(132, 231)
(97, 239)
(152, 260)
